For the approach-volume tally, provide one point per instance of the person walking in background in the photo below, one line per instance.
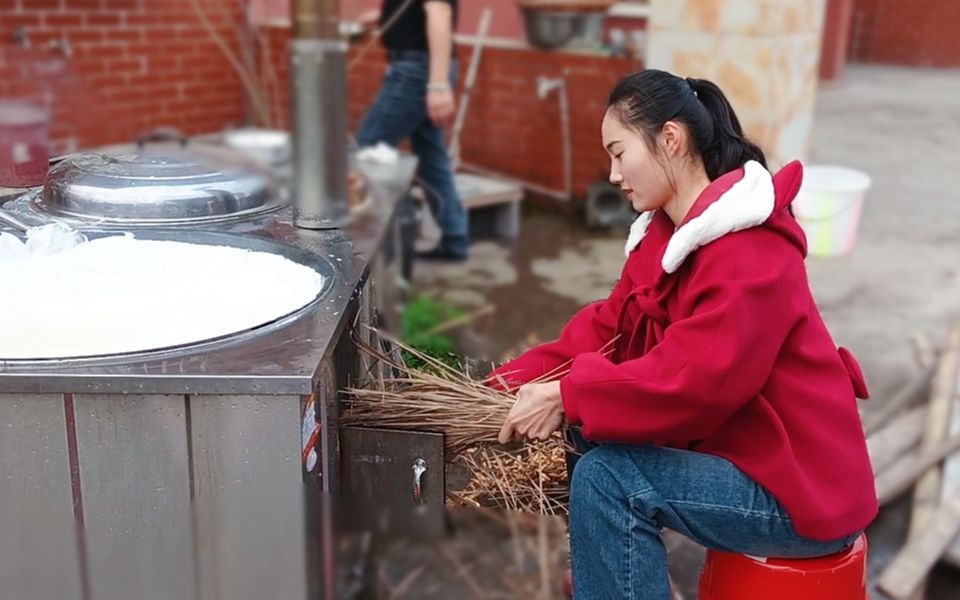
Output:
(416, 102)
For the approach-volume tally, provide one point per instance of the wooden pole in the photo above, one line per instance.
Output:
(904, 576)
(896, 439)
(913, 392)
(484, 26)
(926, 493)
(900, 476)
(951, 469)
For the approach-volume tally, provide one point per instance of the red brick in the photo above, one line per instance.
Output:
(125, 65)
(63, 20)
(85, 36)
(162, 63)
(42, 4)
(43, 38)
(148, 19)
(88, 67)
(99, 19)
(181, 49)
(94, 51)
(128, 94)
(23, 89)
(9, 22)
(123, 36)
(158, 35)
(86, 5)
(125, 4)
(105, 82)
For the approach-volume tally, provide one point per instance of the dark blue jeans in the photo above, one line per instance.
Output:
(400, 112)
(621, 496)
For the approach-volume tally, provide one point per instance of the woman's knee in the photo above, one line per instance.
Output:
(598, 472)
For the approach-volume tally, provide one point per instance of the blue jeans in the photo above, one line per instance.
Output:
(400, 112)
(622, 495)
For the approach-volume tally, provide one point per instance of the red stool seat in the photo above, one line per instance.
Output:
(840, 576)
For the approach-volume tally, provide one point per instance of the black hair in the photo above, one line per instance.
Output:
(647, 99)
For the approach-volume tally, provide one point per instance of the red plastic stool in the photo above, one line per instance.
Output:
(840, 576)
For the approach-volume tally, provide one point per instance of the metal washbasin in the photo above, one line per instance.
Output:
(550, 28)
(553, 26)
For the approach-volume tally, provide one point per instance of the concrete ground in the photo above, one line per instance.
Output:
(900, 126)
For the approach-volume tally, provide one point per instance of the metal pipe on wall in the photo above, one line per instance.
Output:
(545, 85)
(319, 109)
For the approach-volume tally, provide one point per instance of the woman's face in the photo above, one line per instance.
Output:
(633, 167)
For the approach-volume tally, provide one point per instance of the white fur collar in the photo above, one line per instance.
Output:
(638, 229)
(748, 203)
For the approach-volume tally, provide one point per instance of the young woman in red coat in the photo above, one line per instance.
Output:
(722, 409)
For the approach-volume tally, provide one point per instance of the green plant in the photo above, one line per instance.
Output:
(421, 327)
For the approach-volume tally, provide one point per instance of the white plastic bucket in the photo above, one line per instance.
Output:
(828, 208)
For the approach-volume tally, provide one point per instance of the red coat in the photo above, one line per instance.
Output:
(720, 348)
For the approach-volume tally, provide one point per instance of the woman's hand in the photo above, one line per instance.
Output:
(537, 413)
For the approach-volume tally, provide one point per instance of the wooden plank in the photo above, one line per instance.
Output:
(896, 439)
(482, 29)
(926, 493)
(899, 477)
(912, 392)
(951, 470)
(904, 576)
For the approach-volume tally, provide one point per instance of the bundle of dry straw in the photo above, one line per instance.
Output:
(469, 413)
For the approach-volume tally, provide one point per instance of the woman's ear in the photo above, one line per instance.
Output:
(672, 139)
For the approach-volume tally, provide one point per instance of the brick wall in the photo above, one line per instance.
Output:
(132, 65)
(834, 47)
(138, 64)
(508, 129)
(906, 32)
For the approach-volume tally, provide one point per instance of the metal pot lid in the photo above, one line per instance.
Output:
(158, 184)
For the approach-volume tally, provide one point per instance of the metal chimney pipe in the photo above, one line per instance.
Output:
(318, 78)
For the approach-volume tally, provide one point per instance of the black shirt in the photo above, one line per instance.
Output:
(409, 31)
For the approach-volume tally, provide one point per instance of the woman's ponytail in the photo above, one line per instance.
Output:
(728, 147)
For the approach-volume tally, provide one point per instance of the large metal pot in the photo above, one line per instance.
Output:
(155, 185)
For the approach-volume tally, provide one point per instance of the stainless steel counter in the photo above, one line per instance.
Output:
(282, 358)
(196, 474)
